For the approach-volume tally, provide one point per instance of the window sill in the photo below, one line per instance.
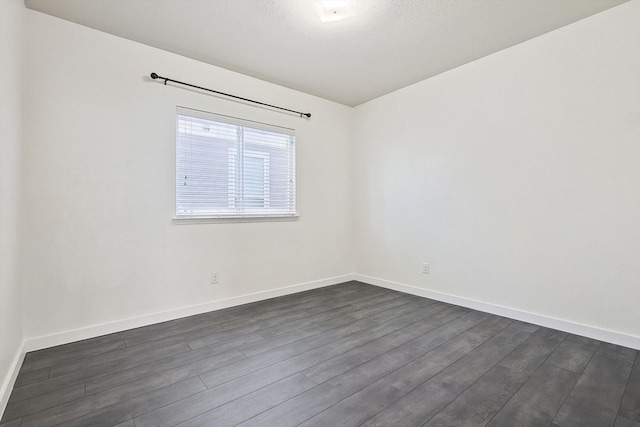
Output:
(228, 219)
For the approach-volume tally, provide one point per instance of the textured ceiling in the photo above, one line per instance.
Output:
(389, 44)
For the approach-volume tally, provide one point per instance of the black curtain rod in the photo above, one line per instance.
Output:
(166, 79)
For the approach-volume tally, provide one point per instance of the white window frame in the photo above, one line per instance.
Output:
(248, 214)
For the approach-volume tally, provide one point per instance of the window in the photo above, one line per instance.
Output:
(233, 168)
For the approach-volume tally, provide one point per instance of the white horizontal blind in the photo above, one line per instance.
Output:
(228, 167)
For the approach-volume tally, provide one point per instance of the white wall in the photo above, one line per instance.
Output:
(517, 177)
(12, 29)
(99, 182)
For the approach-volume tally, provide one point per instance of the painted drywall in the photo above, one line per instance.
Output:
(100, 245)
(12, 28)
(515, 177)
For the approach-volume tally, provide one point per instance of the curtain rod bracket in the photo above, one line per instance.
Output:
(155, 76)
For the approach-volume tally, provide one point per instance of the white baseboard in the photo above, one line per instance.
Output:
(599, 334)
(93, 331)
(10, 379)
(65, 337)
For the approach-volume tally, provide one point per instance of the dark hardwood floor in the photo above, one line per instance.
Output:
(344, 355)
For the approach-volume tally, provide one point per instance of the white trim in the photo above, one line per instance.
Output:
(65, 337)
(11, 377)
(222, 220)
(599, 334)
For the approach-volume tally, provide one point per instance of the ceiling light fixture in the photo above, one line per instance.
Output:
(335, 10)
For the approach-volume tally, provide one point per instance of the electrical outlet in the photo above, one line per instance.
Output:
(215, 278)
(425, 268)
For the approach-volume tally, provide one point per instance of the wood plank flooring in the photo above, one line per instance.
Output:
(344, 355)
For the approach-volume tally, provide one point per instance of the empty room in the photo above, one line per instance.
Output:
(319, 213)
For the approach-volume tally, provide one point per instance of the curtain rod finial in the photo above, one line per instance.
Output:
(154, 76)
